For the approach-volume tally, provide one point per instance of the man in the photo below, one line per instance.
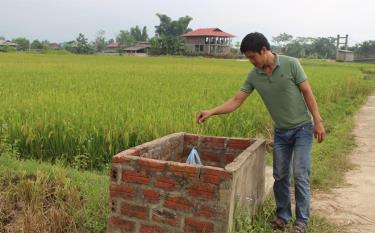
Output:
(284, 89)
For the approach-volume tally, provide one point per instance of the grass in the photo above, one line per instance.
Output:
(80, 110)
(39, 197)
(260, 223)
(84, 109)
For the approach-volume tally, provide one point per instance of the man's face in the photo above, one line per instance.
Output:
(257, 59)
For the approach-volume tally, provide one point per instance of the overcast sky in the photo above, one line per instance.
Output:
(63, 20)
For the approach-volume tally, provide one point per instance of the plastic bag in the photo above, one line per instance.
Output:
(193, 157)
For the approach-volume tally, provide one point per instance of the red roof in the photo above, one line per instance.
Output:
(208, 32)
(113, 45)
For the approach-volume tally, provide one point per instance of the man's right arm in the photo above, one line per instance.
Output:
(227, 107)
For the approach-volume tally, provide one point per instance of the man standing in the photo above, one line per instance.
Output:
(284, 89)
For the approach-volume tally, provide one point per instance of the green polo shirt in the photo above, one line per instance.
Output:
(280, 93)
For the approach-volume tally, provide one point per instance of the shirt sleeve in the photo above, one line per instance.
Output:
(247, 86)
(298, 73)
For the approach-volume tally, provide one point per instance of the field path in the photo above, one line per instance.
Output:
(353, 204)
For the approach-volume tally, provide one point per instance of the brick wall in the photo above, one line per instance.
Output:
(154, 190)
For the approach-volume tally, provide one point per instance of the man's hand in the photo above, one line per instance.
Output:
(319, 131)
(202, 116)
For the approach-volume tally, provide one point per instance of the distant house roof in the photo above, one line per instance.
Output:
(54, 46)
(208, 32)
(138, 46)
(113, 45)
(7, 43)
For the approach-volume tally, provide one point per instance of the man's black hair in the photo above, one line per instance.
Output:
(254, 42)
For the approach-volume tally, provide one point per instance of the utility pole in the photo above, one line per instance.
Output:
(338, 43)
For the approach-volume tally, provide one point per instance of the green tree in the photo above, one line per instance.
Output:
(144, 36)
(155, 46)
(36, 45)
(136, 33)
(100, 41)
(169, 32)
(365, 49)
(125, 39)
(295, 49)
(83, 46)
(282, 39)
(45, 44)
(23, 44)
(324, 47)
(2, 38)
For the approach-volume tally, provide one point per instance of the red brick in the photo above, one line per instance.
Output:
(167, 217)
(213, 142)
(151, 196)
(190, 139)
(214, 175)
(205, 191)
(211, 179)
(206, 156)
(121, 191)
(122, 224)
(192, 225)
(152, 164)
(236, 143)
(135, 177)
(134, 211)
(120, 158)
(150, 229)
(204, 211)
(166, 183)
(183, 169)
(229, 158)
(178, 203)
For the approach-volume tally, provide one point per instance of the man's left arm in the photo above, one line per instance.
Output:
(319, 131)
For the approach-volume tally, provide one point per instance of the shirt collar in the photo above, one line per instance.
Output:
(277, 64)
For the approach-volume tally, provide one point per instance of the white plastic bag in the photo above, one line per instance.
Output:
(193, 157)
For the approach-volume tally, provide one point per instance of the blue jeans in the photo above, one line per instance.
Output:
(292, 149)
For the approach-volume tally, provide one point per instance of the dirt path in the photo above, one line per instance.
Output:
(353, 204)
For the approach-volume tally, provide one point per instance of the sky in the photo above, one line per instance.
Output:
(63, 20)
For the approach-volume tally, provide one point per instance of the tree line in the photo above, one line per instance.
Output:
(168, 40)
(321, 47)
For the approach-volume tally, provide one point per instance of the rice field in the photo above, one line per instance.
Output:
(83, 109)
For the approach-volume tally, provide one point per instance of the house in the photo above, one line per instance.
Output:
(209, 41)
(141, 47)
(7, 43)
(54, 46)
(112, 48)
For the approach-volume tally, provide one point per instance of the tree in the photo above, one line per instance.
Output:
(83, 47)
(365, 49)
(169, 32)
(100, 41)
(36, 45)
(144, 36)
(136, 33)
(45, 44)
(125, 39)
(110, 41)
(22, 43)
(324, 47)
(2, 38)
(295, 49)
(155, 46)
(282, 39)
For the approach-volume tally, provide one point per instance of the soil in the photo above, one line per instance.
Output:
(352, 205)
